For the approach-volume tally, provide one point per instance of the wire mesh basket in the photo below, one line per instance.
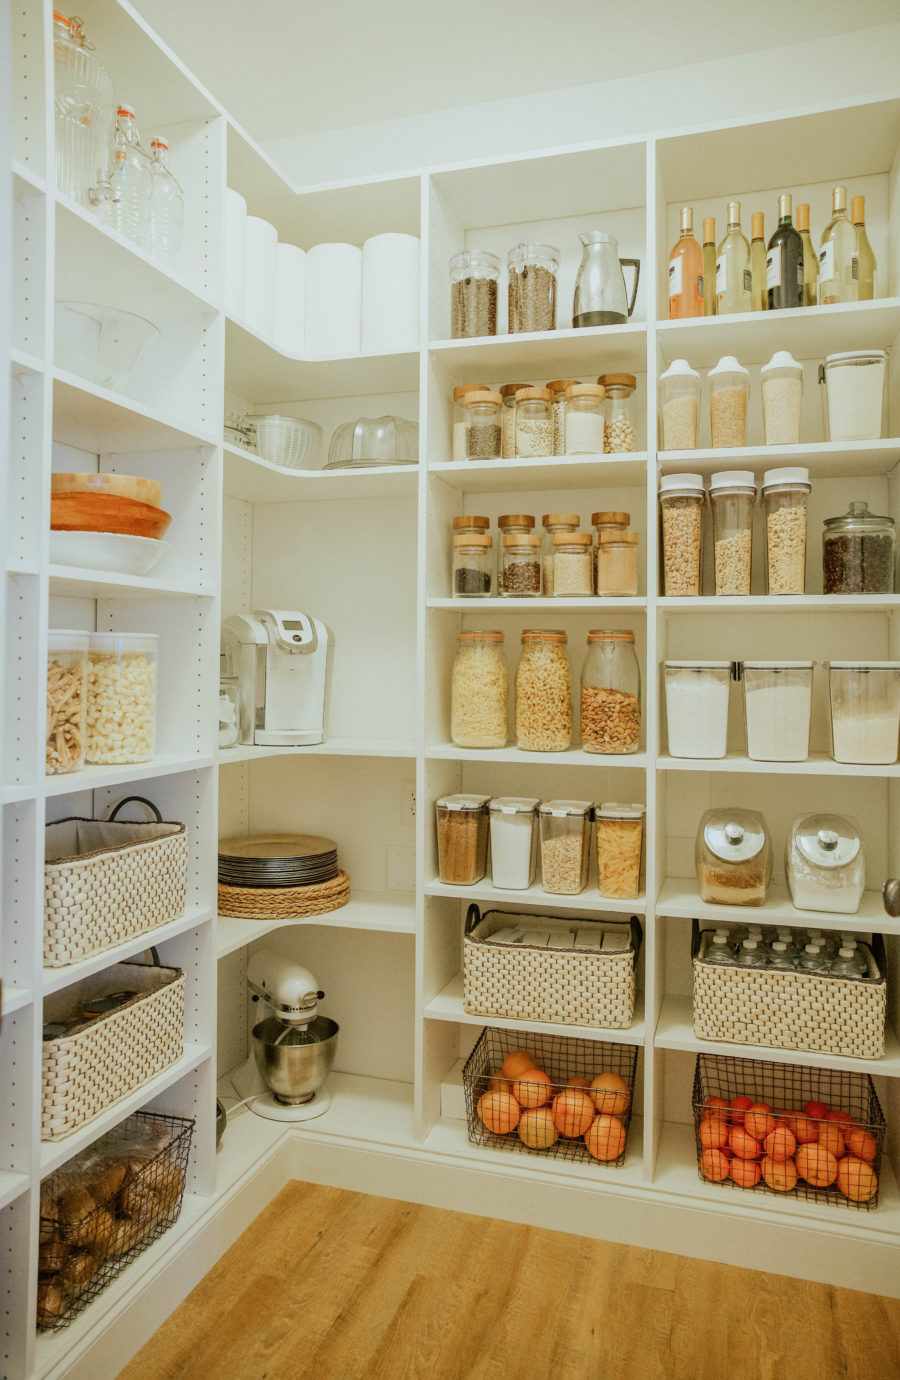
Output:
(829, 1153)
(105, 1206)
(591, 1128)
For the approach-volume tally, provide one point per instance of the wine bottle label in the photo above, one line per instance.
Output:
(773, 267)
(699, 284)
(720, 274)
(826, 261)
(676, 277)
(748, 280)
(854, 268)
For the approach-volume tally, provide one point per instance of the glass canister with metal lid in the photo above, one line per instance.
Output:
(825, 863)
(858, 552)
(462, 836)
(733, 858)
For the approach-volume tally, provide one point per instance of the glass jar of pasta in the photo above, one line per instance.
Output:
(66, 700)
(544, 692)
(610, 694)
(620, 834)
(478, 692)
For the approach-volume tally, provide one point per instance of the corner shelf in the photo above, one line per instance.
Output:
(254, 480)
(255, 368)
(332, 747)
(384, 912)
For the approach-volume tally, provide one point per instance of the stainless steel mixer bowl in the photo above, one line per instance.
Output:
(295, 1072)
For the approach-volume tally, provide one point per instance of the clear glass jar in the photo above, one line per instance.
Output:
(534, 423)
(583, 422)
(483, 426)
(781, 381)
(681, 501)
(786, 495)
(620, 834)
(732, 494)
(508, 419)
(558, 408)
(532, 270)
(520, 577)
(729, 392)
(858, 552)
(733, 857)
(462, 838)
(610, 694)
(83, 108)
(474, 279)
(461, 418)
(697, 707)
(473, 565)
(229, 711)
(778, 709)
(865, 711)
(543, 692)
(606, 522)
(514, 525)
(572, 565)
(67, 661)
(554, 523)
(620, 413)
(514, 839)
(479, 692)
(565, 845)
(679, 406)
(825, 864)
(853, 391)
(616, 570)
(121, 702)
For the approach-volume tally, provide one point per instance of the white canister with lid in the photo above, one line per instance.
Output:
(729, 392)
(854, 394)
(697, 707)
(825, 864)
(782, 391)
(514, 840)
(679, 406)
(778, 706)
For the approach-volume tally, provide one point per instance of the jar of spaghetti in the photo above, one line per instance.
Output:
(620, 835)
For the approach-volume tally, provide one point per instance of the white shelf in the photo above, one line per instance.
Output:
(15, 998)
(57, 978)
(678, 897)
(675, 1030)
(823, 459)
(817, 764)
(808, 332)
(21, 363)
(782, 603)
(535, 897)
(332, 747)
(95, 419)
(449, 1139)
(258, 370)
(448, 1006)
(385, 912)
(588, 604)
(574, 757)
(74, 583)
(12, 1186)
(548, 354)
(543, 475)
(99, 778)
(248, 477)
(53, 1153)
(25, 181)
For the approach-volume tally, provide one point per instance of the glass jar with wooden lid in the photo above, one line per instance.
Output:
(473, 564)
(553, 523)
(585, 419)
(520, 575)
(620, 433)
(558, 408)
(607, 521)
(534, 423)
(482, 425)
(572, 565)
(508, 419)
(515, 522)
(617, 563)
(461, 418)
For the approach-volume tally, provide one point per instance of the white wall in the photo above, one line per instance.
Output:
(855, 65)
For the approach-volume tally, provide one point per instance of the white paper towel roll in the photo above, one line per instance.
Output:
(235, 265)
(261, 259)
(333, 299)
(390, 300)
(290, 299)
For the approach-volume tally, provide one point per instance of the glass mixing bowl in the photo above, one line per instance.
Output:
(101, 344)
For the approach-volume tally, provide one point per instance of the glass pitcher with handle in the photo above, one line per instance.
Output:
(600, 295)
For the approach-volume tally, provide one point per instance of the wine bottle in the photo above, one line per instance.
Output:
(867, 265)
(733, 279)
(686, 272)
(709, 266)
(758, 299)
(810, 257)
(838, 254)
(784, 263)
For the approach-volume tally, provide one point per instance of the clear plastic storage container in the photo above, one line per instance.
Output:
(520, 577)
(534, 423)
(620, 833)
(473, 564)
(826, 864)
(858, 552)
(679, 406)
(732, 494)
(514, 840)
(697, 707)
(474, 279)
(544, 692)
(620, 413)
(778, 707)
(584, 419)
(782, 392)
(67, 662)
(565, 845)
(786, 496)
(483, 428)
(572, 565)
(865, 711)
(462, 836)
(532, 270)
(121, 702)
(479, 691)
(461, 418)
(681, 502)
(733, 857)
(853, 386)
(729, 393)
(610, 694)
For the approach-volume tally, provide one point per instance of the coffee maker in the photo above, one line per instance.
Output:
(282, 661)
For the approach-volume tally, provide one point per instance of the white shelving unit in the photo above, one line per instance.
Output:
(368, 552)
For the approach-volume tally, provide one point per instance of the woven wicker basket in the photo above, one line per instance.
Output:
(527, 983)
(108, 880)
(790, 1010)
(85, 1072)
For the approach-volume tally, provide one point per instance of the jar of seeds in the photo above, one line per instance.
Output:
(572, 565)
(508, 419)
(461, 418)
(544, 692)
(483, 425)
(620, 433)
(732, 494)
(584, 421)
(729, 391)
(520, 576)
(786, 495)
(681, 504)
(474, 276)
(558, 407)
(533, 270)
(478, 692)
(554, 523)
(782, 390)
(610, 694)
(473, 562)
(534, 423)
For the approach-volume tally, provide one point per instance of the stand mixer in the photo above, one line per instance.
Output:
(293, 1049)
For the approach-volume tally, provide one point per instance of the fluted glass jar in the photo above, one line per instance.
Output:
(544, 692)
(610, 694)
(478, 692)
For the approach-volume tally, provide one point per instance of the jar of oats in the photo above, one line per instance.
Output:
(679, 406)
(67, 654)
(483, 425)
(554, 523)
(565, 845)
(121, 698)
(732, 494)
(729, 392)
(534, 423)
(573, 565)
(786, 496)
(610, 694)
(544, 692)
(620, 428)
(681, 503)
(478, 691)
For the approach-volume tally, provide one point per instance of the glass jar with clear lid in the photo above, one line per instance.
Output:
(229, 711)
(83, 107)
(733, 858)
(565, 845)
(544, 692)
(473, 565)
(520, 577)
(786, 496)
(616, 570)
(479, 691)
(781, 382)
(858, 552)
(558, 408)
(462, 838)
(474, 280)
(67, 662)
(607, 522)
(732, 494)
(865, 711)
(681, 503)
(679, 406)
(461, 418)
(572, 565)
(508, 393)
(620, 413)
(534, 423)
(531, 296)
(778, 709)
(610, 694)
(584, 420)
(514, 839)
(554, 523)
(483, 426)
(121, 702)
(620, 832)
(826, 864)
(697, 707)
(729, 392)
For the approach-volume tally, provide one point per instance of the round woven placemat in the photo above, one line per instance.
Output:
(284, 902)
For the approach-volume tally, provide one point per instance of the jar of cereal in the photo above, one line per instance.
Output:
(786, 495)
(544, 692)
(572, 565)
(554, 523)
(681, 501)
(478, 691)
(121, 699)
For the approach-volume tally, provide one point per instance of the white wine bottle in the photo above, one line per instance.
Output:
(839, 255)
(867, 266)
(810, 257)
(733, 276)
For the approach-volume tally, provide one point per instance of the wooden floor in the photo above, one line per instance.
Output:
(342, 1286)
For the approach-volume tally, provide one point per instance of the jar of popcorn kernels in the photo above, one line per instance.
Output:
(121, 697)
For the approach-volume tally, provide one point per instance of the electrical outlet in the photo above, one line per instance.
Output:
(408, 801)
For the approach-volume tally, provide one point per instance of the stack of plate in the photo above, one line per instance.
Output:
(277, 860)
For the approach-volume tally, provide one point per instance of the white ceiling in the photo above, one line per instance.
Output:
(285, 67)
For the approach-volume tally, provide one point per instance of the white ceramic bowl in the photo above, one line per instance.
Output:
(113, 552)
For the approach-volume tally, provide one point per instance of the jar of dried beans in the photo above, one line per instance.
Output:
(610, 694)
(620, 426)
(532, 270)
(679, 397)
(508, 419)
(462, 838)
(461, 418)
(474, 276)
(66, 700)
(620, 832)
(554, 523)
(584, 419)
(572, 565)
(558, 407)
(478, 692)
(858, 552)
(681, 503)
(534, 423)
(781, 381)
(472, 565)
(520, 577)
(565, 845)
(544, 692)
(732, 494)
(786, 496)
(729, 391)
(121, 702)
(482, 425)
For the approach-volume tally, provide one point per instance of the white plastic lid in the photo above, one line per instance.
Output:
(845, 953)
(749, 944)
(728, 365)
(560, 808)
(782, 359)
(680, 367)
(779, 665)
(668, 482)
(856, 357)
(610, 810)
(790, 474)
(514, 805)
(698, 665)
(463, 802)
(863, 665)
(732, 479)
(779, 946)
(58, 639)
(813, 948)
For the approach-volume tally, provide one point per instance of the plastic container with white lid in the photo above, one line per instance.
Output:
(732, 494)
(733, 857)
(620, 832)
(121, 700)
(679, 392)
(853, 398)
(697, 707)
(67, 660)
(782, 390)
(729, 391)
(778, 707)
(865, 711)
(786, 496)
(514, 838)
(462, 835)
(825, 863)
(565, 845)
(681, 500)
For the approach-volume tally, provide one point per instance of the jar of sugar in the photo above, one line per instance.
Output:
(514, 839)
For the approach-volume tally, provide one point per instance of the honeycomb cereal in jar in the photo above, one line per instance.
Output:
(478, 692)
(121, 698)
(681, 503)
(544, 692)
